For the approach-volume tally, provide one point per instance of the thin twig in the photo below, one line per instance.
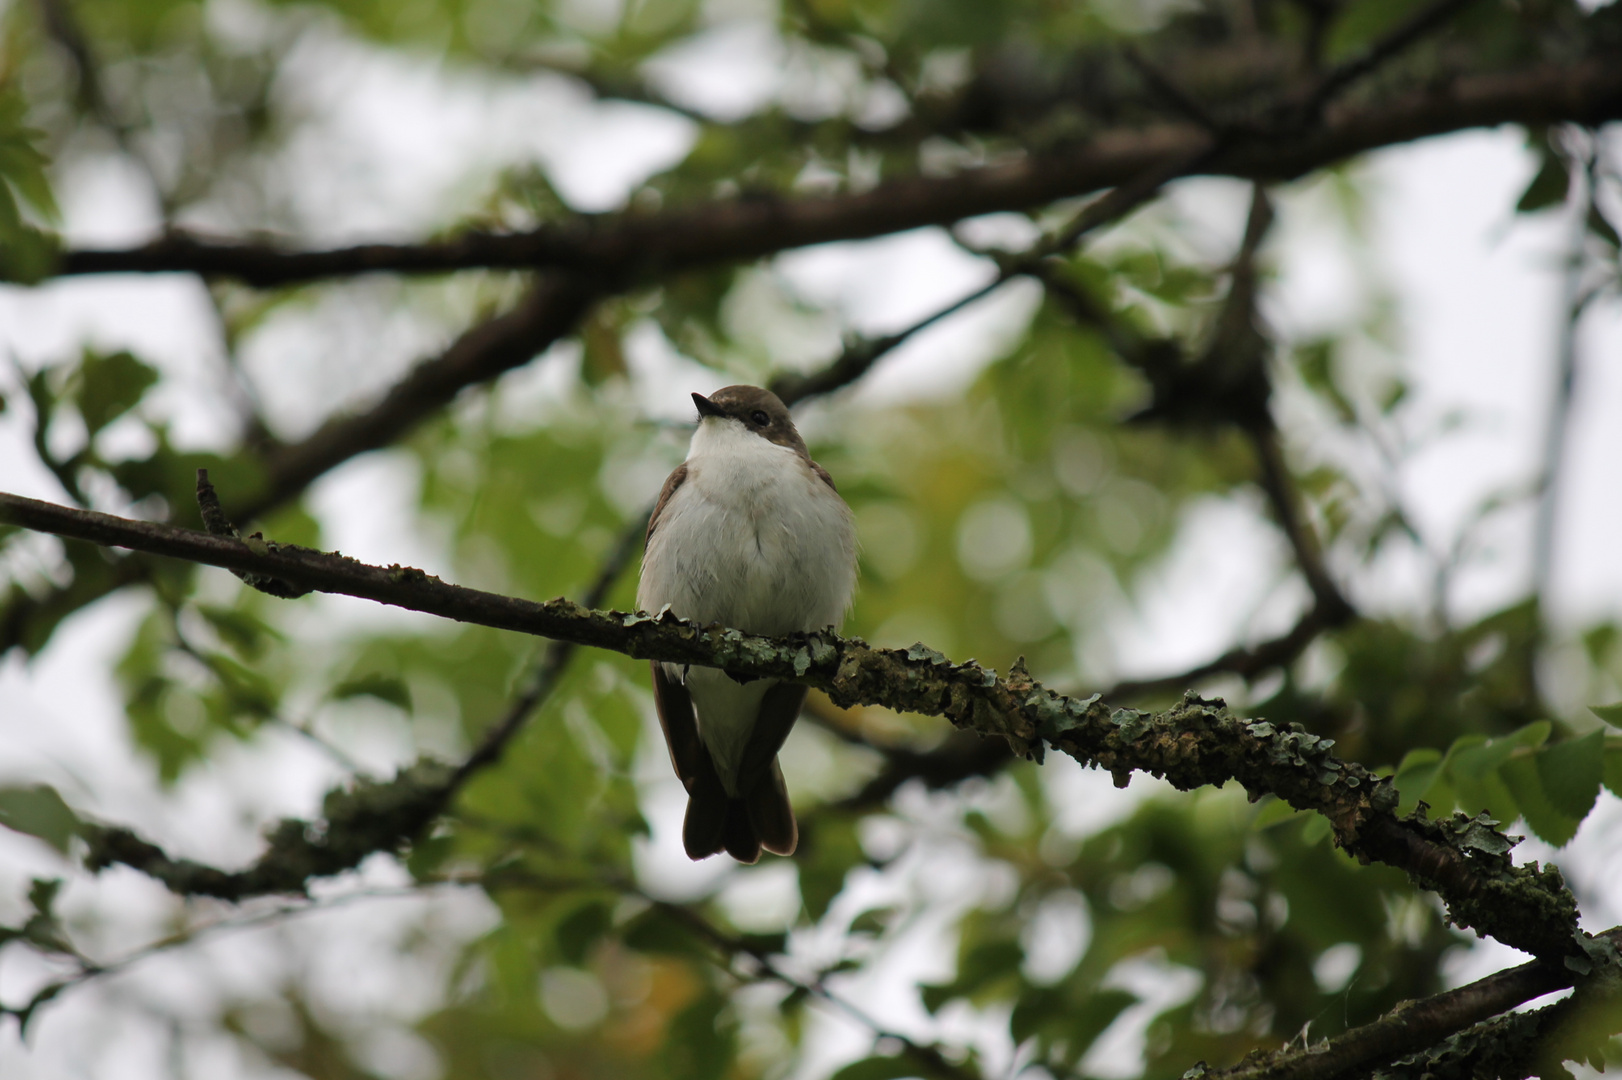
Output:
(1411, 31)
(926, 1055)
(549, 671)
(90, 971)
(1166, 87)
(858, 357)
(1556, 435)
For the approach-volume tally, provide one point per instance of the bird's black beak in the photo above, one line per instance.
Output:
(706, 407)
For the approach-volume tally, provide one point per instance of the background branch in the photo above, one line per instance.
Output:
(639, 244)
(1413, 1025)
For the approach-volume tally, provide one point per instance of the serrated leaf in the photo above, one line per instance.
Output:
(1572, 771)
(26, 252)
(1613, 770)
(1478, 761)
(39, 811)
(1522, 777)
(387, 688)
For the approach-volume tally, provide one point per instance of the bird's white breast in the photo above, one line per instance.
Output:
(753, 539)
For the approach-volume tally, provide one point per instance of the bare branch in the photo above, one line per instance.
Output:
(640, 244)
(859, 357)
(546, 313)
(1412, 1025)
(1412, 30)
(545, 677)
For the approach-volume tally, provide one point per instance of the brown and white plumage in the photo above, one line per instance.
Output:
(748, 532)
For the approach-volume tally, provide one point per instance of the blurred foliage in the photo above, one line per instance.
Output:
(1017, 515)
(25, 250)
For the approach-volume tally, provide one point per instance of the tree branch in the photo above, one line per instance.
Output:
(1194, 744)
(1412, 1025)
(547, 312)
(1415, 28)
(859, 357)
(642, 244)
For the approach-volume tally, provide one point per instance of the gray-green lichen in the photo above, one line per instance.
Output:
(356, 821)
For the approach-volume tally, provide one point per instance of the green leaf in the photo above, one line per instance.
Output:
(39, 811)
(26, 252)
(1543, 817)
(1613, 770)
(1477, 762)
(1273, 811)
(1090, 1020)
(1611, 714)
(1548, 187)
(581, 929)
(877, 1068)
(110, 385)
(701, 1039)
(1416, 775)
(828, 849)
(386, 688)
(242, 630)
(1571, 772)
(654, 931)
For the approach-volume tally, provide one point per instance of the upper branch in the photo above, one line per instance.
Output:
(640, 244)
(1194, 744)
(546, 313)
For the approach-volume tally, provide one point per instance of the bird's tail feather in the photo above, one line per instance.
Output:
(742, 826)
(771, 817)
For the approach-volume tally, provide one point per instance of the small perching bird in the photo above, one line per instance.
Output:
(750, 533)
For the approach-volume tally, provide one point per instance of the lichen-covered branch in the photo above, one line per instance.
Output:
(356, 822)
(1195, 744)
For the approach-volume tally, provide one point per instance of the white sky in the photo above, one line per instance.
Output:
(399, 141)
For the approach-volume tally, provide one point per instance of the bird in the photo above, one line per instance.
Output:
(748, 532)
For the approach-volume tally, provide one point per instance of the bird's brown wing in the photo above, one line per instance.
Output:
(824, 476)
(672, 482)
(687, 754)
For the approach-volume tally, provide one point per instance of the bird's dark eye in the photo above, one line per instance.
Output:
(760, 418)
